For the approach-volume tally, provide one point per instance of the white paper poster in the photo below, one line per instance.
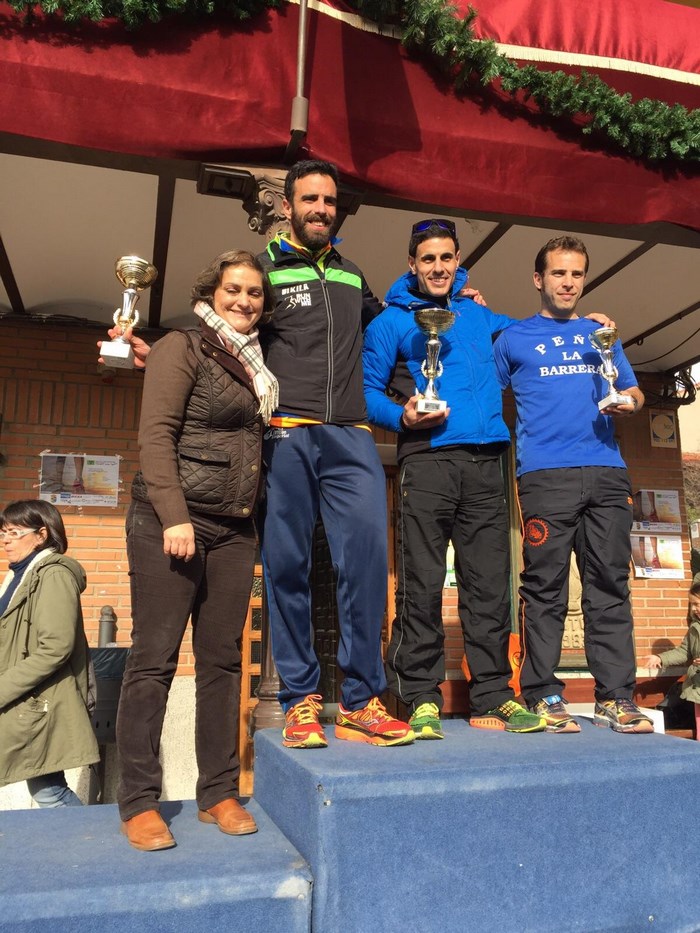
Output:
(79, 479)
(659, 556)
(656, 510)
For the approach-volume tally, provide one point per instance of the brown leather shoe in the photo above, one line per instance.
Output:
(147, 831)
(230, 817)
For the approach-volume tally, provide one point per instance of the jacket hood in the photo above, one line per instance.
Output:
(401, 295)
(69, 563)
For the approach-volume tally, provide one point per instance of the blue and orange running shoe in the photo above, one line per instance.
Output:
(553, 710)
(622, 716)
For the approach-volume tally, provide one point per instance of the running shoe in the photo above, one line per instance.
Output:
(425, 722)
(302, 728)
(553, 710)
(509, 717)
(372, 724)
(622, 716)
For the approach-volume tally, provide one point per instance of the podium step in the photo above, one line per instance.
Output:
(70, 870)
(489, 831)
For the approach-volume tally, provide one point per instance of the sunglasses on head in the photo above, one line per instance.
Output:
(424, 225)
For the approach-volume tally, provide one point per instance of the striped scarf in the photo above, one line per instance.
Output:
(246, 349)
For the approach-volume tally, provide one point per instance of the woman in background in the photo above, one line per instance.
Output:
(45, 726)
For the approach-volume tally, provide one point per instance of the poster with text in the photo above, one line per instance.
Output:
(655, 510)
(79, 479)
(658, 556)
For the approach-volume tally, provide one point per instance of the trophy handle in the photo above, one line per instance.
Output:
(126, 317)
(608, 370)
(431, 373)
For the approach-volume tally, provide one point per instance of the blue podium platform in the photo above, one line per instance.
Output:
(488, 831)
(70, 869)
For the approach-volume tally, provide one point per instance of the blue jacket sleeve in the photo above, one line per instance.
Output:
(497, 322)
(379, 357)
(502, 358)
(625, 374)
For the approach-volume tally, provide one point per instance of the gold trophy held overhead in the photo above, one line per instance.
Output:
(433, 322)
(136, 275)
(603, 339)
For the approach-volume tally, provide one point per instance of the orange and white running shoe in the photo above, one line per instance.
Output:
(372, 724)
(302, 728)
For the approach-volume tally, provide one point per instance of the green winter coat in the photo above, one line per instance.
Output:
(688, 649)
(44, 722)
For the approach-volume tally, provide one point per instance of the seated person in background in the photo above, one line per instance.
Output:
(688, 652)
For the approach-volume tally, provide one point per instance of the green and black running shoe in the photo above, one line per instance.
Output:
(425, 722)
(509, 717)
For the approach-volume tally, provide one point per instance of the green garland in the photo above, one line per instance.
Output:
(432, 29)
(134, 13)
(647, 129)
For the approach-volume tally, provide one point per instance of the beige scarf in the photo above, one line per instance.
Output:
(246, 348)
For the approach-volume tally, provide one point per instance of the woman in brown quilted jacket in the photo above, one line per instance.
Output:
(191, 543)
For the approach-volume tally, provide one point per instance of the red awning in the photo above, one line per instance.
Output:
(212, 91)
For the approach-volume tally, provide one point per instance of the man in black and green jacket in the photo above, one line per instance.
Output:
(320, 458)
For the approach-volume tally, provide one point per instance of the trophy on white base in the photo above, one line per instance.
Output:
(432, 321)
(135, 274)
(603, 339)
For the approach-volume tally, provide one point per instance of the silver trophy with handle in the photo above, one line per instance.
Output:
(603, 339)
(433, 322)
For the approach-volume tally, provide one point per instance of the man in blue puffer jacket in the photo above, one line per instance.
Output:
(451, 488)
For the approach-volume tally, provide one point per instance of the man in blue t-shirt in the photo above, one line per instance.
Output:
(574, 494)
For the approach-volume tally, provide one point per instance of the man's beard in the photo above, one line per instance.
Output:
(313, 240)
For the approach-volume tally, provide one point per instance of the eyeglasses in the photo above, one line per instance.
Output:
(14, 534)
(424, 225)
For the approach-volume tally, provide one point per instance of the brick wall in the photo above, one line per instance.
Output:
(52, 396)
(659, 606)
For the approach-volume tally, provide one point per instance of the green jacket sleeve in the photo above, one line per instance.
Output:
(679, 655)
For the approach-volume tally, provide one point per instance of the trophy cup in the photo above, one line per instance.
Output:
(135, 275)
(603, 339)
(432, 321)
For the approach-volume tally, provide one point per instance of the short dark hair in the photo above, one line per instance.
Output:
(36, 514)
(424, 230)
(308, 167)
(568, 243)
(209, 279)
